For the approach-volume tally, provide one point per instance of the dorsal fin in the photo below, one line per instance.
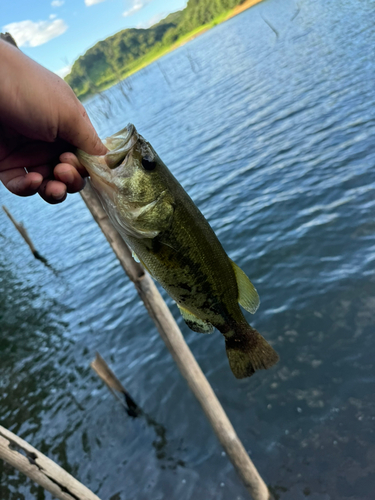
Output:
(194, 323)
(248, 297)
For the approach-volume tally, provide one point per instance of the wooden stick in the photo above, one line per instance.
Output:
(132, 409)
(114, 385)
(25, 235)
(21, 230)
(21, 455)
(172, 336)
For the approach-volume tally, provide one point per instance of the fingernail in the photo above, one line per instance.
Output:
(102, 151)
(100, 148)
(65, 169)
(35, 183)
(59, 197)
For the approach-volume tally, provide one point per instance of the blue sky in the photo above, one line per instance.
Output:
(55, 32)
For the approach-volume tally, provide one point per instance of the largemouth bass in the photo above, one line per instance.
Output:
(176, 245)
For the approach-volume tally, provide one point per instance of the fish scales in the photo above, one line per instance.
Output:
(197, 276)
(175, 243)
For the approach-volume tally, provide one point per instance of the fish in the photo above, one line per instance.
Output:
(171, 238)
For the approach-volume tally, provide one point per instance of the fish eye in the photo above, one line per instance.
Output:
(148, 164)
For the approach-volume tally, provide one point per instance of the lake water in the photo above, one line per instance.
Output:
(272, 134)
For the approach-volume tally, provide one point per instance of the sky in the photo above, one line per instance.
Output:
(56, 32)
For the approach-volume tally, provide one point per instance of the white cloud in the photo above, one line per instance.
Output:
(88, 3)
(57, 3)
(137, 5)
(64, 71)
(52, 16)
(31, 34)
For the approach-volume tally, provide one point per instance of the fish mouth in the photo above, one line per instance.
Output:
(118, 145)
(121, 138)
(102, 169)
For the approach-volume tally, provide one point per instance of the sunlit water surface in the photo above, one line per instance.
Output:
(273, 137)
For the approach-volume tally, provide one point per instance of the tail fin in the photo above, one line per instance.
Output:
(248, 351)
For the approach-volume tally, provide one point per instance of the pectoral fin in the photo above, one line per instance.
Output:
(194, 323)
(135, 257)
(248, 297)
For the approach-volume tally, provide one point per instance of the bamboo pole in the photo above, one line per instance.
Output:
(188, 366)
(28, 460)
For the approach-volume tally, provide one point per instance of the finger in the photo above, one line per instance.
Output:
(76, 128)
(72, 159)
(67, 174)
(62, 173)
(44, 170)
(18, 182)
(52, 191)
(33, 154)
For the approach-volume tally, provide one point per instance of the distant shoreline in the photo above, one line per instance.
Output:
(185, 39)
(234, 12)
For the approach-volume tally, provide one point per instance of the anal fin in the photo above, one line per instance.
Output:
(194, 323)
(248, 297)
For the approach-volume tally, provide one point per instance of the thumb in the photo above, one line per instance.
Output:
(76, 128)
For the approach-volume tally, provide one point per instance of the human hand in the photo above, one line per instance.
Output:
(41, 121)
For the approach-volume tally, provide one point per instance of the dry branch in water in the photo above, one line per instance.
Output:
(271, 26)
(44, 471)
(114, 385)
(25, 235)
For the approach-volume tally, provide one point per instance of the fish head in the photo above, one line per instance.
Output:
(132, 184)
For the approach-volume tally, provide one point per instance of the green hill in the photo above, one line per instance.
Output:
(117, 56)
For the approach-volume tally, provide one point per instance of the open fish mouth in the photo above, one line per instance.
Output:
(104, 176)
(120, 139)
(119, 145)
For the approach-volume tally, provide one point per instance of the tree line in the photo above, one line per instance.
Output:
(111, 59)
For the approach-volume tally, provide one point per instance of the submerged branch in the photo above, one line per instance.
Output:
(25, 235)
(44, 471)
(114, 385)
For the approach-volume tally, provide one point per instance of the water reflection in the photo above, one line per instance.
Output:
(32, 346)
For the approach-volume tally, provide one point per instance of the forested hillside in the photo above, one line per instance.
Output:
(113, 58)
